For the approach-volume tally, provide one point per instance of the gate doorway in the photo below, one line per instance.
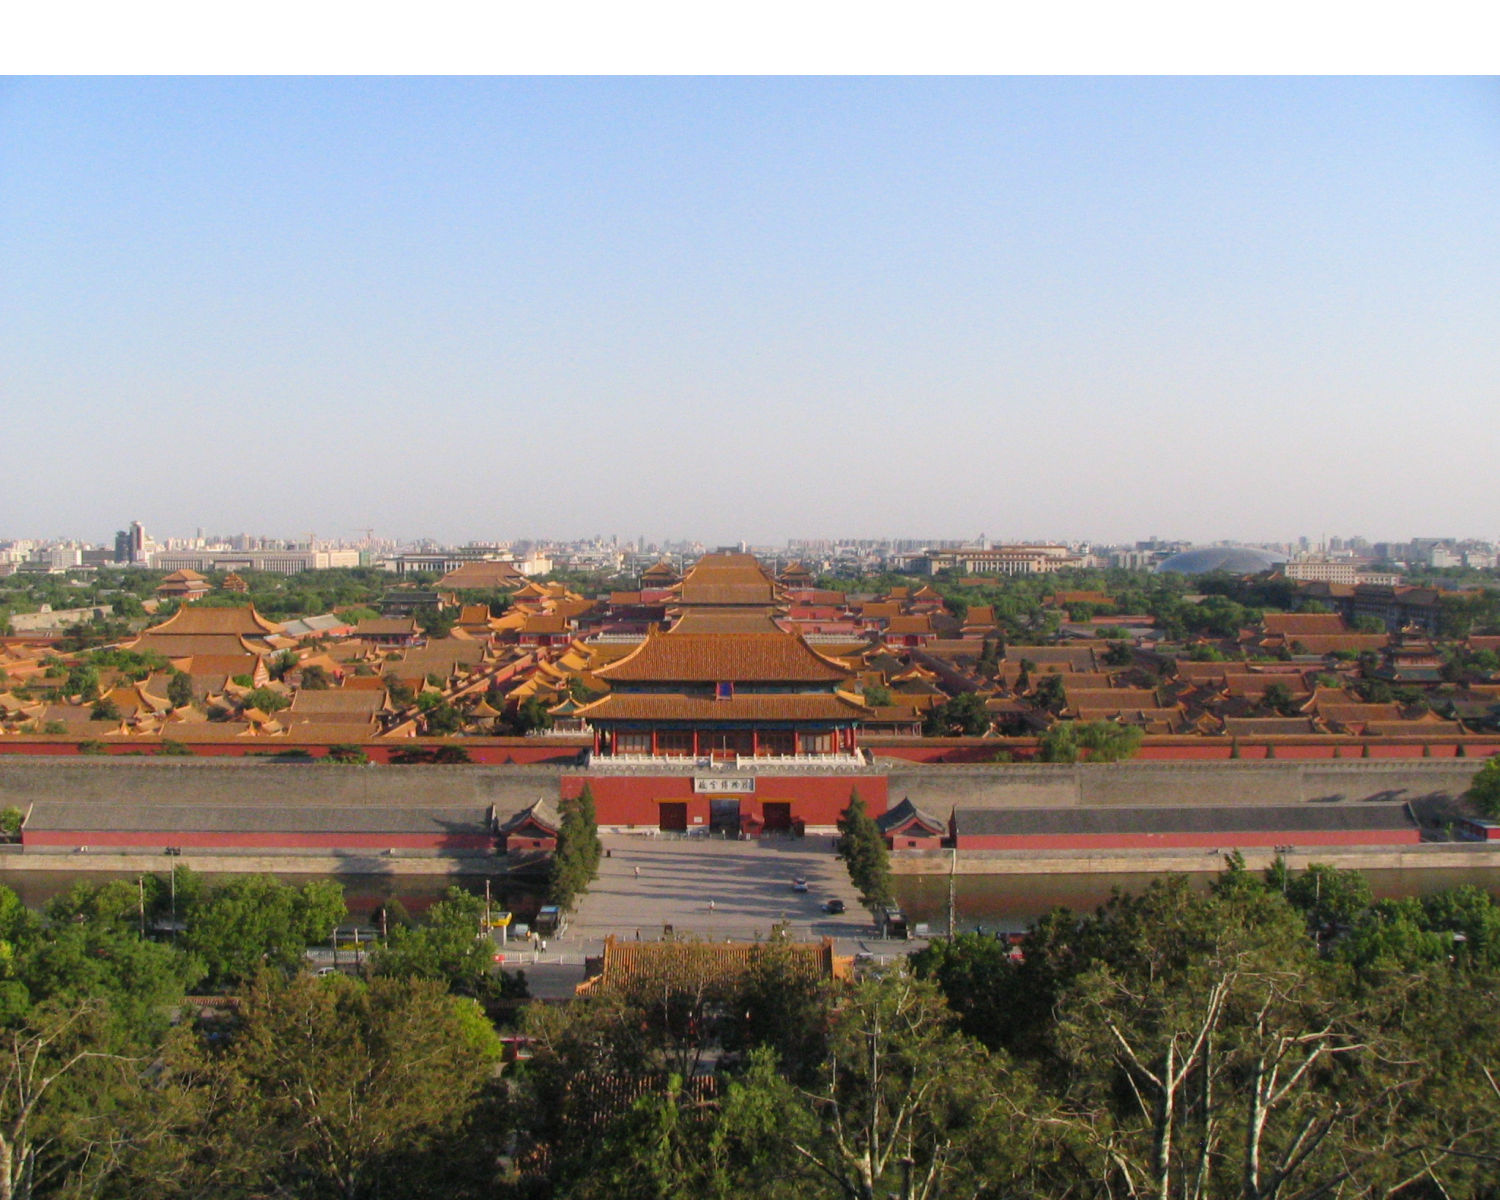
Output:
(724, 815)
(777, 816)
(673, 816)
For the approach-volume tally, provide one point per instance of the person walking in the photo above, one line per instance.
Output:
(710, 906)
(638, 872)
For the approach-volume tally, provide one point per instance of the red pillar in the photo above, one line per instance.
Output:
(755, 741)
(653, 743)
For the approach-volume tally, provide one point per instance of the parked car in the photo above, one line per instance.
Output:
(799, 884)
(835, 905)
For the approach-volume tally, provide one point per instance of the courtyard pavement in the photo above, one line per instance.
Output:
(704, 887)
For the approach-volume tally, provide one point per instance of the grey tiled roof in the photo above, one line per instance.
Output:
(1290, 818)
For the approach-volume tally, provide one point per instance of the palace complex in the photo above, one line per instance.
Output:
(730, 699)
(724, 681)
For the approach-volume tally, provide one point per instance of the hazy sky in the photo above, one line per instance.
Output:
(751, 309)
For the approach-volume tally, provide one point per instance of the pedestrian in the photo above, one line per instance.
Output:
(710, 906)
(638, 872)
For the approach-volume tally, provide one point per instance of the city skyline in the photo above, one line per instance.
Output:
(760, 309)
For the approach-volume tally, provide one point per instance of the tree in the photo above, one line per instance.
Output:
(576, 859)
(254, 922)
(315, 679)
(902, 1100)
(72, 1101)
(281, 663)
(180, 689)
(1050, 693)
(1202, 1041)
(1119, 654)
(82, 680)
(1484, 790)
(532, 716)
(864, 852)
(449, 947)
(1099, 741)
(1278, 699)
(268, 700)
(347, 754)
(330, 1085)
(440, 719)
(977, 978)
(963, 714)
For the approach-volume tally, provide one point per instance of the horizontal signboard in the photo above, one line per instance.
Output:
(739, 786)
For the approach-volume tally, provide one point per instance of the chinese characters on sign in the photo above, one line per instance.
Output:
(724, 787)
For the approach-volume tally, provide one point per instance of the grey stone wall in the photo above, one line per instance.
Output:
(118, 781)
(938, 789)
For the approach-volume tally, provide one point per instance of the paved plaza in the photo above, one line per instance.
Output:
(705, 887)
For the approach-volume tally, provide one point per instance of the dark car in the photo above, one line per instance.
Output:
(833, 906)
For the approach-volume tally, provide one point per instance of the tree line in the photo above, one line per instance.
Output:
(1270, 1035)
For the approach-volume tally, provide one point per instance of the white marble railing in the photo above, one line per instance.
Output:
(635, 762)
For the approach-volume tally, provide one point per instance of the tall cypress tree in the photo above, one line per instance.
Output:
(864, 851)
(573, 862)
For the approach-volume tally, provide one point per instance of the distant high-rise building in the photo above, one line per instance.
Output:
(122, 546)
(137, 543)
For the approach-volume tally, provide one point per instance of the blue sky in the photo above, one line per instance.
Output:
(750, 308)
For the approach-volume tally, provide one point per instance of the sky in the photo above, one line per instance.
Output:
(750, 308)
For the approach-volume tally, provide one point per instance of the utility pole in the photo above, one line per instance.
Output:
(952, 892)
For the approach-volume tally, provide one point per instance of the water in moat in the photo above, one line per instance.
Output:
(1012, 902)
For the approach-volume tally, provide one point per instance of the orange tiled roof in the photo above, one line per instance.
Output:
(725, 620)
(1301, 624)
(482, 574)
(1110, 698)
(727, 579)
(695, 964)
(234, 619)
(1330, 643)
(720, 658)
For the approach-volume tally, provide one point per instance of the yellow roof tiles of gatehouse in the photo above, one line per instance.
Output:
(721, 658)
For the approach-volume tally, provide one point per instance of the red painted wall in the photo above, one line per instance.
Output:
(481, 750)
(815, 799)
(1181, 748)
(1185, 841)
(269, 840)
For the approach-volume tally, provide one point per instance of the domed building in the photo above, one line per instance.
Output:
(1236, 560)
